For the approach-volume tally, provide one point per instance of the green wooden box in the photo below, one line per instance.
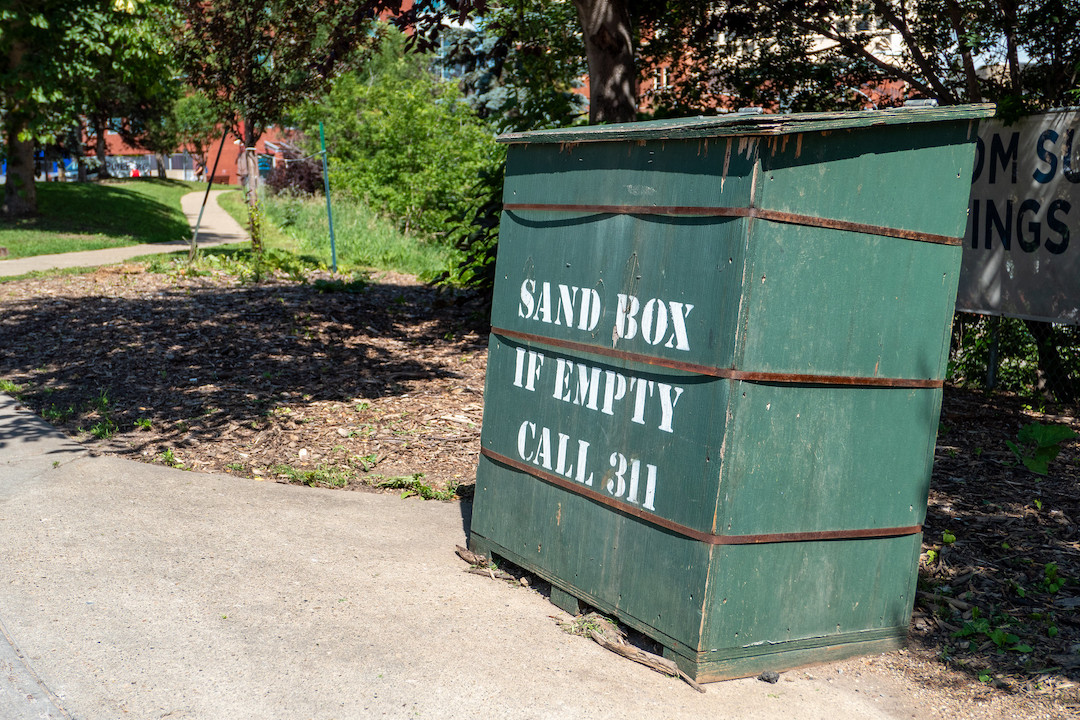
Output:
(715, 374)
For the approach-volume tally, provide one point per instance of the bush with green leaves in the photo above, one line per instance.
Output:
(402, 139)
(522, 65)
(1046, 367)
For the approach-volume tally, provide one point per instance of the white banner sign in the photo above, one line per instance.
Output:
(1022, 248)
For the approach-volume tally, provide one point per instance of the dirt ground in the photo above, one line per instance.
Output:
(378, 386)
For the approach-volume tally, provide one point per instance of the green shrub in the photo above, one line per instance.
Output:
(1019, 368)
(402, 140)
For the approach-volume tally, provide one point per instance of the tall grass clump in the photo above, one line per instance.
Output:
(363, 239)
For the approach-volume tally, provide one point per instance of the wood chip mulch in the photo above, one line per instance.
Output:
(275, 380)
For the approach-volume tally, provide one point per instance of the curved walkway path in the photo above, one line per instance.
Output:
(218, 228)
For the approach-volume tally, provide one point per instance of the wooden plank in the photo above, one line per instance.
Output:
(565, 601)
(714, 667)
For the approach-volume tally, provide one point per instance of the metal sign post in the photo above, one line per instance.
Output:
(209, 182)
(326, 186)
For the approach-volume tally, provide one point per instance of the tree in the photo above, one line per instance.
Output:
(255, 59)
(134, 85)
(44, 51)
(520, 65)
(845, 53)
(604, 27)
(401, 138)
(56, 56)
(197, 126)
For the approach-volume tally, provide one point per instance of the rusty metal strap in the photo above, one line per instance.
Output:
(705, 537)
(725, 373)
(746, 212)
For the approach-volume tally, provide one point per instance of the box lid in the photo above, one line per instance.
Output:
(735, 124)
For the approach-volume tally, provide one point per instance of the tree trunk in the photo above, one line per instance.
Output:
(1008, 9)
(609, 50)
(160, 166)
(20, 192)
(1054, 380)
(971, 77)
(101, 149)
(251, 190)
(80, 151)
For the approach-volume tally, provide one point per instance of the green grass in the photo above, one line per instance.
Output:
(9, 388)
(92, 216)
(320, 476)
(363, 239)
(273, 238)
(415, 485)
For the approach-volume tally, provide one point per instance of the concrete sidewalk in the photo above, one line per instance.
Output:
(217, 228)
(135, 590)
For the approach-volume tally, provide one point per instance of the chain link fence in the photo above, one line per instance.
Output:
(1039, 361)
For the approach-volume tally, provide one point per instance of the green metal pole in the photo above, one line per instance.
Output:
(326, 187)
(209, 181)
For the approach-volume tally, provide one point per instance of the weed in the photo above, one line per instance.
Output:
(103, 429)
(1052, 581)
(10, 388)
(320, 476)
(143, 423)
(57, 416)
(235, 467)
(585, 625)
(168, 457)
(414, 485)
(997, 633)
(1039, 445)
(365, 462)
(101, 402)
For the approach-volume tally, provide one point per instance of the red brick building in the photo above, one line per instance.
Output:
(123, 158)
